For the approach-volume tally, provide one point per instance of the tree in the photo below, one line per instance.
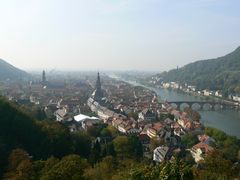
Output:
(70, 167)
(175, 170)
(103, 170)
(95, 131)
(189, 140)
(215, 166)
(106, 133)
(154, 143)
(57, 140)
(82, 144)
(95, 155)
(136, 148)
(19, 165)
(122, 146)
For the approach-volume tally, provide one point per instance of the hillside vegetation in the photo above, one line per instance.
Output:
(222, 73)
(31, 149)
(7, 71)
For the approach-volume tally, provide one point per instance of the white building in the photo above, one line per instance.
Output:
(160, 153)
(86, 121)
(200, 150)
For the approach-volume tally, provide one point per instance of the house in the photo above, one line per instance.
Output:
(89, 123)
(236, 98)
(86, 121)
(133, 131)
(154, 130)
(206, 92)
(160, 154)
(218, 94)
(116, 122)
(185, 124)
(147, 115)
(178, 132)
(206, 139)
(61, 114)
(124, 128)
(176, 114)
(200, 150)
(168, 122)
(73, 126)
(192, 88)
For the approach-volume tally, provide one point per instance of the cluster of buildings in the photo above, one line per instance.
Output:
(58, 99)
(131, 110)
(151, 123)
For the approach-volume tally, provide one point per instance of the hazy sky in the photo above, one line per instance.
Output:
(116, 34)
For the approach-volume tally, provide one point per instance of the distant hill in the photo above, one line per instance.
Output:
(222, 73)
(8, 71)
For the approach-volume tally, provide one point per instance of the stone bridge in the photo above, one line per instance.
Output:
(203, 105)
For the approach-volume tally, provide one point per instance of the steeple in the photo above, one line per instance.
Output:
(98, 95)
(44, 78)
(98, 83)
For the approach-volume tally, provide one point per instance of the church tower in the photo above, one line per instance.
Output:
(98, 83)
(98, 95)
(44, 80)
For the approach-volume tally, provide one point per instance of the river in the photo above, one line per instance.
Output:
(225, 120)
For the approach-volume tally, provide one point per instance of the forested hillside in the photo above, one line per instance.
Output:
(222, 73)
(7, 71)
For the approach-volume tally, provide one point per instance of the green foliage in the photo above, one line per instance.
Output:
(113, 130)
(95, 153)
(82, 144)
(154, 143)
(95, 131)
(57, 141)
(175, 170)
(215, 74)
(190, 140)
(136, 149)
(40, 139)
(19, 165)
(70, 167)
(117, 159)
(122, 146)
(106, 133)
(228, 145)
(128, 146)
(215, 166)
(18, 129)
(103, 170)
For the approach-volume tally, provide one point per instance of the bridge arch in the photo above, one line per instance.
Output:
(184, 105)
(196, 106)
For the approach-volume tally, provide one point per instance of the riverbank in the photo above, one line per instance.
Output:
(225, 120)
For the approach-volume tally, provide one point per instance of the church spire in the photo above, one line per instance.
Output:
(44, 78)
(98, 83)
(98, 95)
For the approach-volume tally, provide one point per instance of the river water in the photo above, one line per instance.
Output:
(225, 120)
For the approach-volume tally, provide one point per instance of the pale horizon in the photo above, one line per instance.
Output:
(98, 35)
